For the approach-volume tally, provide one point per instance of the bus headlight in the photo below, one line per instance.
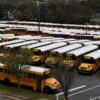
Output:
(90, 68)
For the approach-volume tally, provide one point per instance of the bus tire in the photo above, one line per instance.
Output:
(47, 89)
(7, 81)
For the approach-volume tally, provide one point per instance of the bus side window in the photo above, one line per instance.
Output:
(30, 75)
(5, 70)
(34, 76)
(1, 70)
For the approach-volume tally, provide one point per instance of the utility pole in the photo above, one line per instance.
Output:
(38, 7)
(86, 27)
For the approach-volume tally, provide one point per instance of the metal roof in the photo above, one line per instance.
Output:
(78, 41)
(92, 42)
(10, 42)
(94, 55)
(67, 48)
(83, 50)
(36, 45)
(51, 46)
(20, 44)
(38, 69)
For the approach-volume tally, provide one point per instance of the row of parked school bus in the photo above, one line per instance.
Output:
(21, 31)
(49, 50)
(84, 54)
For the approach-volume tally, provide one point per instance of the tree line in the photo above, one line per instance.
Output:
(56, 11)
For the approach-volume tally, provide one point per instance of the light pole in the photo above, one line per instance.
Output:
(86, 27)
(38, 7)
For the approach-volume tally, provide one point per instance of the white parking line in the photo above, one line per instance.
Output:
(83, 91)
(95, 98)
(77, 88)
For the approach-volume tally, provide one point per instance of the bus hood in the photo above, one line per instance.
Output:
(53, 83)
(51, 61)
(36, 58)
(86, 66)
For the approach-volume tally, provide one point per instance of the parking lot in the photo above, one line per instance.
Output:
(85, 87)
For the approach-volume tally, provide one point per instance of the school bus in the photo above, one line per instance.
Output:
(36, 45)
(90, 62)
(12, 49)
(2, 44)
(78, 41)
(39, 78)
(4, 39)
(92, 42)
(52, 59)
(76, 55)
(41, 53)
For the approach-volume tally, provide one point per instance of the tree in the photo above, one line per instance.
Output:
(18, 62)
(64, 73)
(27, 8)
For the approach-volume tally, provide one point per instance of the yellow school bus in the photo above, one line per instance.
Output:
(77, 54)
(39, 78)
(60, 53)
(41, 53)
(90, 62)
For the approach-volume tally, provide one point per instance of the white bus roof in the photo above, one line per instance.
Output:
(83, 50)
(92, 42)
(10, 42)
(47, 37)
(6, 35)
(28, 37)
(78, 41)
(64, 40)
(20, 44)
(52, 39)
(67, 48)
(38, 69)
(12, 37)
(51, 46)
(94, 55)
(36, 45)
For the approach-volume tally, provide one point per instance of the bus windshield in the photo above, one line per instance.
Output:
(91, 61)
(37, 53)
(46, 76)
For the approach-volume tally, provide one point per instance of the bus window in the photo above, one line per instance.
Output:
(46, 76)
(1, 70)
(91, 61)
(37, 53)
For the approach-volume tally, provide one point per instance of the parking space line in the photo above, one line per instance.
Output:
(95, 98)
(83, 91)
(77, 88)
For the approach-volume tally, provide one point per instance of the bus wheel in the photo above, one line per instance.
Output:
(47, 89)
(7, 81)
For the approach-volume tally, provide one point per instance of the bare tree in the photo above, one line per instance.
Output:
(64, 73)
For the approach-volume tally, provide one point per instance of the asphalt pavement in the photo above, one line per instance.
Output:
(85, 87)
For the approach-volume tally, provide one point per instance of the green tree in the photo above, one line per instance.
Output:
(18, 62)
(27, 10)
